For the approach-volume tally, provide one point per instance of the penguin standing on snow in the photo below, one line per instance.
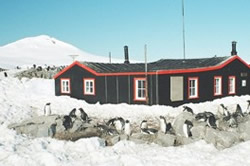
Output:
(83, 115)
(118, 123)
(47, 109)
(145, 129)
(239, 111)
(187, 128)
(188, 109)
(223, 110)
(72, 113)
(164, 126)
(211, 121)
(127, 129)
(67, 122)
(202, 117)
(248, 107)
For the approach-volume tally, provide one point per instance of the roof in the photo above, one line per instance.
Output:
(163, 66)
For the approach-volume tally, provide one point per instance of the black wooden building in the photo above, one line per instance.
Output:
(166, 82)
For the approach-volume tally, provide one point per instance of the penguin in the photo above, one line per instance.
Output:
(248, 107)
(145, 129)
(223, 110)
(233, 121)
(5, 74)
(118, 123)
(111, 122)
(127, 129)
(84, 115)
(211, 121)
(164, 126)
(144, 124)
(106, 130)
(188, 109)
(227, 118)
(208, 114)
(169, 128)
(239, 111)
(201, 117)
(72, 113)
(67, 122)
(187, 128)
(47, 109)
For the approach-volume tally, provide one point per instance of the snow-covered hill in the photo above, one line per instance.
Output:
(43, 50)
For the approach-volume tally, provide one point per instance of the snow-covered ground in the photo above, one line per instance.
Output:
(22, 99)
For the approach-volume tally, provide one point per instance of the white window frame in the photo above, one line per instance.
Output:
(231, 85)
(217, 85)
(193, 89)
(139, 90)
(244, 83)
(89, 86)
(65, 85)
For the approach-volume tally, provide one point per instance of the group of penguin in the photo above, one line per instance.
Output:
(118, 125)
(208, 117)
(68, 119)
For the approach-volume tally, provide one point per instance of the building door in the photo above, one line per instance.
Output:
(176, 88)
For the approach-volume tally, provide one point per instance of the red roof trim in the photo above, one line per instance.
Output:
(193, 70)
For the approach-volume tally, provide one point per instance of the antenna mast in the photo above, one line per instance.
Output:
(73, 57)
(183, 30)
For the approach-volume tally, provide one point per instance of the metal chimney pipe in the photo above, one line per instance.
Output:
(234, 52)
(126, 55)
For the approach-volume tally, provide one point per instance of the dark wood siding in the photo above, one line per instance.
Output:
(120, 89)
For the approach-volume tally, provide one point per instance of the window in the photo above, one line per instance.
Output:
(193, 87)
(217, 85)
(140, 89)
(89, 86)
(231, 85)
(243, 83)
(65, 85)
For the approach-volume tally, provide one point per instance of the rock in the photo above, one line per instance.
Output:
(87, 133)
(180, 140)
(223, 125)
(165, 139)
(199, 130)
(147, 138)
(179, 121)
(112, 140)
(77, 126)
(221, 139)
(244, 129)
(40, 126)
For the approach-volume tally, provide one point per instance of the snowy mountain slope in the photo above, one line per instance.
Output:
(43, 50)
(22, 99)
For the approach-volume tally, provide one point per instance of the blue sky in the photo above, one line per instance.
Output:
(100, 26)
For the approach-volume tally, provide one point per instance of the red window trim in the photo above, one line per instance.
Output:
(230, 93)
(135, 79)
(89, 79)
(193, 78)
(221, 89)
(61, 87)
